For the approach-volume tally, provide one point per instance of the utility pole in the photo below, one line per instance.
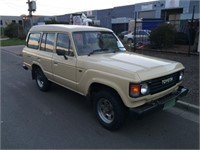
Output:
(31, 8)
(30, 12)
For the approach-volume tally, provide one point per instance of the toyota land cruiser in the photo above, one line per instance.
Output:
(93, 62)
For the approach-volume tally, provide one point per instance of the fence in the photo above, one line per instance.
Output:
(185, 37)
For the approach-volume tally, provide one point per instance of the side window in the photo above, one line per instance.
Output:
(43, 42)
(33, 40)
(47, 43)
(63, 43)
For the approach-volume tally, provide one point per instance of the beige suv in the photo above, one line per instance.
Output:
(93, 62)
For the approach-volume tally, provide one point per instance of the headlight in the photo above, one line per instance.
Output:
(137, 90)
(144, 89)
(181, 75)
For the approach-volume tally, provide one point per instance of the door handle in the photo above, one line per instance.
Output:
(55, 63)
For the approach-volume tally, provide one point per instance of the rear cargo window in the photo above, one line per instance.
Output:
(33, 40)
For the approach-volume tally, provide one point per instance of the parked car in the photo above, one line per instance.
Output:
(121, 35)
(93, 62)
(142, 37)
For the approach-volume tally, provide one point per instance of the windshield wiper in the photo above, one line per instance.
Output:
(98, 50)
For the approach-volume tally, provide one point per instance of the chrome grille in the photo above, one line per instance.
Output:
(163, 83)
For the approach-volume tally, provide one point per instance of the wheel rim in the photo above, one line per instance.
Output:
(105, 110)
(40, 80)
(130, 41)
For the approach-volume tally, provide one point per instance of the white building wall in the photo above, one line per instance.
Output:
(9, 19)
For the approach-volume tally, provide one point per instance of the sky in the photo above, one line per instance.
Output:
(59, 7)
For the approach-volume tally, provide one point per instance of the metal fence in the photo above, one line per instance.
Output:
(185, 37)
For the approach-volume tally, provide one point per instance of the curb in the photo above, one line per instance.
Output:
(187, 106)
(165, 51)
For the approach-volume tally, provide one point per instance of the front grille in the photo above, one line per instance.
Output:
(163, 83)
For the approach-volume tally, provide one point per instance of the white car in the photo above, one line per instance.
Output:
(142, 36)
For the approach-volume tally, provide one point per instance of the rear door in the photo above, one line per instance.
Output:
(45, 54)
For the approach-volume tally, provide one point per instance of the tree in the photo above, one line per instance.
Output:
(14, 30)
(163, 36)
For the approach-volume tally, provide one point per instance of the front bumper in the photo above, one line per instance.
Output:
(162, 103)
(24, 66)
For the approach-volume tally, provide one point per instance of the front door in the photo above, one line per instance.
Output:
(64, 68)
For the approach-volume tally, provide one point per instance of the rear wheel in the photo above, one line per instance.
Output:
(130, 41)
(109, 109)
(42, 82)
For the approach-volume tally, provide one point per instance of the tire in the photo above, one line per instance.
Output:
(130, 41)
(109, 109)
(42, 82)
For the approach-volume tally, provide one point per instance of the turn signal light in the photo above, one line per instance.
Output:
(135, 90)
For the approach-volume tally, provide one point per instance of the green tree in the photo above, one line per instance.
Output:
(163, 36)
(14, 30)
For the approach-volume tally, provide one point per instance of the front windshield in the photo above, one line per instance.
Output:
(88, 42)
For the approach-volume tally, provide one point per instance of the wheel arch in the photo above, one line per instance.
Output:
(95, 87)
(34, 67)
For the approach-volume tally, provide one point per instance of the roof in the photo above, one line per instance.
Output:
(66, 28)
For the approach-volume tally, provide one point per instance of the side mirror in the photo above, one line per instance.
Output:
(61, 52)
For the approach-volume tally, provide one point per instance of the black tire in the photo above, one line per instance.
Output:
(130, 41)
(42, 82)
(109, 109)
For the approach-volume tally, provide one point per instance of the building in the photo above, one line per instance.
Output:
(5, 20)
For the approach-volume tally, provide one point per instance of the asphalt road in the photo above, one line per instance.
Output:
(61, 119)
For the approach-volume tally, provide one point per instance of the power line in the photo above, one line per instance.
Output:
(12, 6)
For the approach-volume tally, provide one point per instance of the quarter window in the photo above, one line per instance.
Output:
(33, 41)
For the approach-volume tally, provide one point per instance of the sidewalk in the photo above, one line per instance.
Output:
(1, 39)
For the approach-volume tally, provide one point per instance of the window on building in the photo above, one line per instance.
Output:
(1, 22)
(63, 43)
(20, 22)
(47, 43)
(33, 40)
(13, 21)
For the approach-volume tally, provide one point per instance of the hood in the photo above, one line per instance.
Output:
(127, 64)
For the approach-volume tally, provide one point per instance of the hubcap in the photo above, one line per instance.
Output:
(40, 80)
(105, 110)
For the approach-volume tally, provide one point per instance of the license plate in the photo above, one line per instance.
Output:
(169, 104)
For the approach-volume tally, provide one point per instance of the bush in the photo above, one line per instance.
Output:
(14, 30)
(163, 36)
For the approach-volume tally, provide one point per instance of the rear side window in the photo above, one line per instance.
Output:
(47, 43)
(33, 40)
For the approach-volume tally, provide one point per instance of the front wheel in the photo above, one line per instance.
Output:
(109, 109)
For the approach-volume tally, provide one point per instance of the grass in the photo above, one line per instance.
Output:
(13, 41)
